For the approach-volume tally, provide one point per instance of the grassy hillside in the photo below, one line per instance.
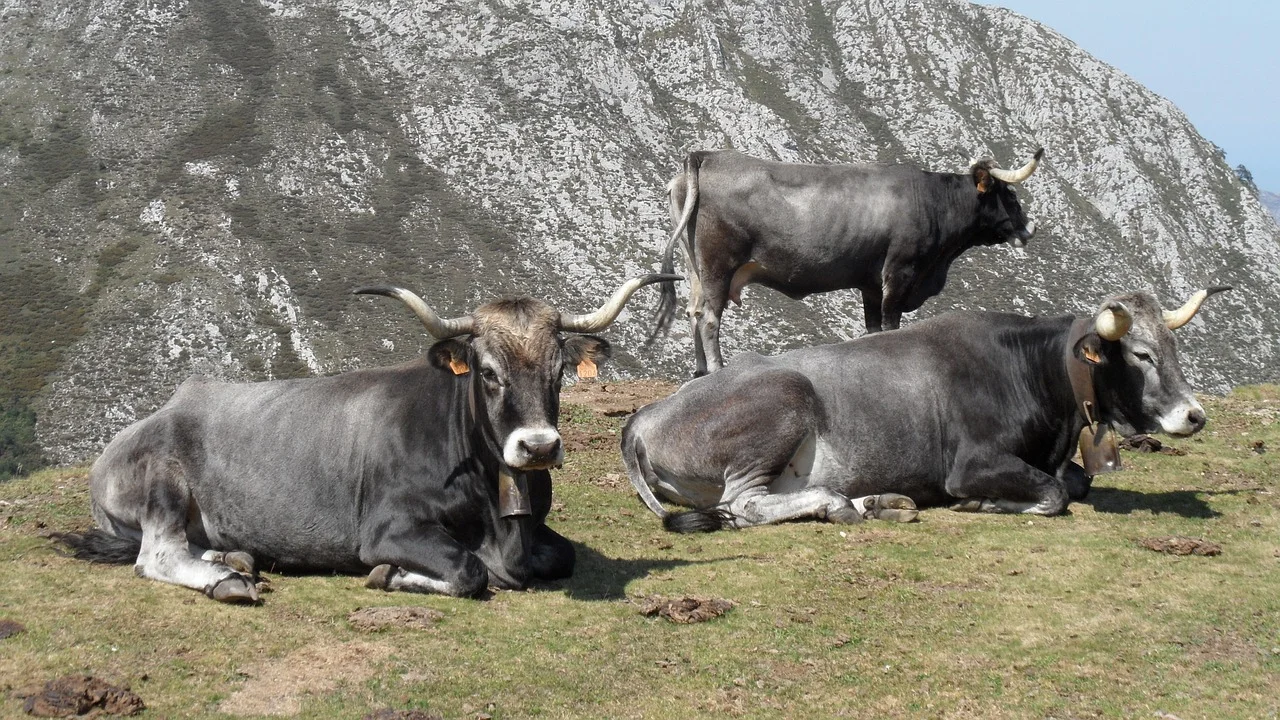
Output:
(957, 616)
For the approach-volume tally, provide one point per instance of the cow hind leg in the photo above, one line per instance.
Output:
(165, 554)
(815, 503)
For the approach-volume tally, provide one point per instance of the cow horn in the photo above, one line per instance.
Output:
(1013, 177)
(604, 317)
(1113, 320)
(1177, 318)
(439, 328)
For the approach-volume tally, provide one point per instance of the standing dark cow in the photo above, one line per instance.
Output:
(980, 411)
(890, 231)
(432, 473)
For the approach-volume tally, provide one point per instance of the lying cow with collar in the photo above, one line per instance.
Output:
(431, 475)
(979, 411)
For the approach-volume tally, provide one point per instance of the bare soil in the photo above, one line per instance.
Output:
(277, 686)
(373, 619)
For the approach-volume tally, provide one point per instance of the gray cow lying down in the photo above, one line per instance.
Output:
(979, 411)
(430, 475)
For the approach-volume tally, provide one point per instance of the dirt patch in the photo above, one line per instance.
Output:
(685, 610)
(1178, 545)
(74, 695)
(374, 619)
(279, 685)
(9, 628)
(617, 399)
(389, 714)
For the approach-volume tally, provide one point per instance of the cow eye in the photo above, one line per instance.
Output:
(489, 375)
(1143, 357)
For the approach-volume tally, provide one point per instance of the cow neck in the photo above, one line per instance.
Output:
(513, 487)
(1098, 449)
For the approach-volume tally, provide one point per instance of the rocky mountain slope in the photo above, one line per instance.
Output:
(196, 186)
(1271, 201)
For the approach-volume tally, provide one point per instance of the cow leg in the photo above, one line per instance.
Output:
(553, 556)
(165, 554)
(1077, 482)
(759, 507)
(423, 559)
(238, 560)
(871, 314)
(1004, 484)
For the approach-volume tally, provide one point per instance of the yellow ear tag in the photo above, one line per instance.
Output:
(1091, 354)
(586, 369)
(459, 367)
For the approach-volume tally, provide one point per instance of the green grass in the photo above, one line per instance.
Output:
(958, 616)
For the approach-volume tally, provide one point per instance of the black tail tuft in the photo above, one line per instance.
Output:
(666, 310)
(97, 546)
(696, 521)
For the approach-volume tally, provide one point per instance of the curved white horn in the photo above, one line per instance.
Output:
(1177, 318)
(604, 317)
(1113, 320)
(1013, 177)
(438, 327)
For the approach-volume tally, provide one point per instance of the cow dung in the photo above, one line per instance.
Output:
(1179, 545)
(685, 610)
(373, 619)
(9, 628)
(74, 695)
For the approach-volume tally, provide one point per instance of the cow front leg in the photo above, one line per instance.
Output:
(423, 559)
(1004, 484)
(1077, 482)
(553, 556)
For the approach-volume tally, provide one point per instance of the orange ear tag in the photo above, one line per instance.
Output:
(1092, 355)
(459, 367)
(586, 369)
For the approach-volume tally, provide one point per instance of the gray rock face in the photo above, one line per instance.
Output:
(196, 186)
(1271, 201)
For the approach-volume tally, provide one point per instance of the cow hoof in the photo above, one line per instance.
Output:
(234, 589)
(380, 577)
(892, 507)
(241, 562)
(847, 515)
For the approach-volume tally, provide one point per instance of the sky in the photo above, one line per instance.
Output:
(1217, 60)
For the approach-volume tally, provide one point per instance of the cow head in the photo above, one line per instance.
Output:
(1137, 378)
(515, 354)
(1000, 215)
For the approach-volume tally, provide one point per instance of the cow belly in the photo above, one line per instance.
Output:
(287, 541)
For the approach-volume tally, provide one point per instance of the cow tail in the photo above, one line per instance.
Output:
(639, 471)
(666, 311)
(700, 520)
(638, 468)
(99, 546)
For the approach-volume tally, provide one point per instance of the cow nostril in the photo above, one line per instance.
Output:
(540, 449)
(1196, 417)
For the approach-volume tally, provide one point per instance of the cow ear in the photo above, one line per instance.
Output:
(585, 352)
(1088, 350)
(982, 179)
(452, 355)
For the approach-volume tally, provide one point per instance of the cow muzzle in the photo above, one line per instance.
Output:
(1187, 418)
(1020, 238)
(533, 449)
